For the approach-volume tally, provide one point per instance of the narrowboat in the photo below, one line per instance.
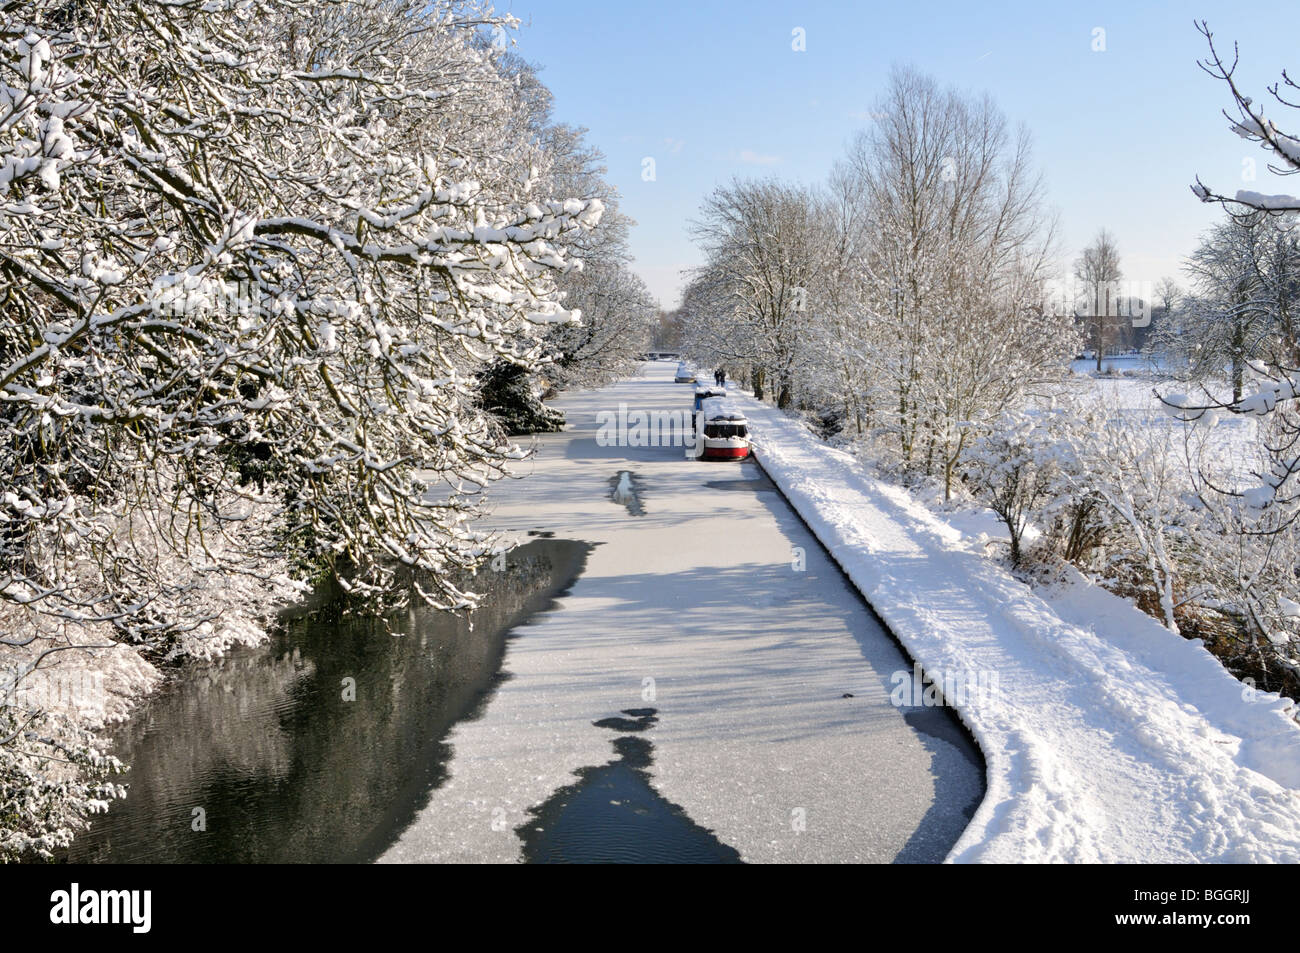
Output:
(703, 392)
(726, 431)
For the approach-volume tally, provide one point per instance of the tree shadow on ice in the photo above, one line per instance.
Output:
(949, 747)
(613, 815)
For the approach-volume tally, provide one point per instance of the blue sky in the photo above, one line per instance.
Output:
(713, 90)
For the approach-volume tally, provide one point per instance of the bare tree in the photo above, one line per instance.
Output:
(1228, 321)
(1250, 124)
(1169, 293)
(1098, 270)
(762, 244)
(957, 247)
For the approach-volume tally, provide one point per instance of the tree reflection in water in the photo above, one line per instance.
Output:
(282, 766)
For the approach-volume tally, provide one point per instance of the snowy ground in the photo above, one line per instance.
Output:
(1230, 442)
(1107, 738)
(696, 609)
(1123, 364)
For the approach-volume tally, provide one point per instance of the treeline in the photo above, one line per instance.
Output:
(902, 298)
(256, 257)
(906, 308)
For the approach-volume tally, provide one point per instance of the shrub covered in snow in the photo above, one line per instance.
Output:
(53, 773)
(1015, 467)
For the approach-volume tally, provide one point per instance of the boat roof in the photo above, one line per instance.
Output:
(720, 408)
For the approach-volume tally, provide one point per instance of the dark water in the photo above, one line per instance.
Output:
(612, 815)
(285, 768)
(758, 484)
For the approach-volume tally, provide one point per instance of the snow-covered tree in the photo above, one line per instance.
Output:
(270, 250)
(253, 254)
(616, 308)
(837, 378)
(764, 241)
(953, 271)
(907, 295)
(1254, 508)
(1251, 125)
(1134, 466)
(1092, 476)
(1245, 275)
(761, 242)
(1015, 467)
(53, 772)
(614, 332)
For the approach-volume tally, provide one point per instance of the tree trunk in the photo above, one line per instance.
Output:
(1238, 360)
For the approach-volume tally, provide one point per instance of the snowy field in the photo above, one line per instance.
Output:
(1227, 445)
(1107, 738)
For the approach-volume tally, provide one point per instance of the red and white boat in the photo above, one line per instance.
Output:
(726, 431)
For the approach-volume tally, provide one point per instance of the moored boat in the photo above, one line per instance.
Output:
(726, 431)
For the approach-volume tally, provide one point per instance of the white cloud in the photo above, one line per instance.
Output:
(754, 158)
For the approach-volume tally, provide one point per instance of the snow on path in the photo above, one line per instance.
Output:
(1107, 738)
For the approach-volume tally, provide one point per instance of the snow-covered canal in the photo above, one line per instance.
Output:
(710, 651)
(706, 687)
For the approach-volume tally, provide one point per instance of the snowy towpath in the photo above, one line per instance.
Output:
(1107, 737)
(691, 604)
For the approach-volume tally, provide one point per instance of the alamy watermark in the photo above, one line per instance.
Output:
(1107, 299)
(917, 689)
(77, 906)
(56, 690)
(650, 428)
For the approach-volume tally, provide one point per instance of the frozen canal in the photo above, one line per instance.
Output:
(710, 688)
